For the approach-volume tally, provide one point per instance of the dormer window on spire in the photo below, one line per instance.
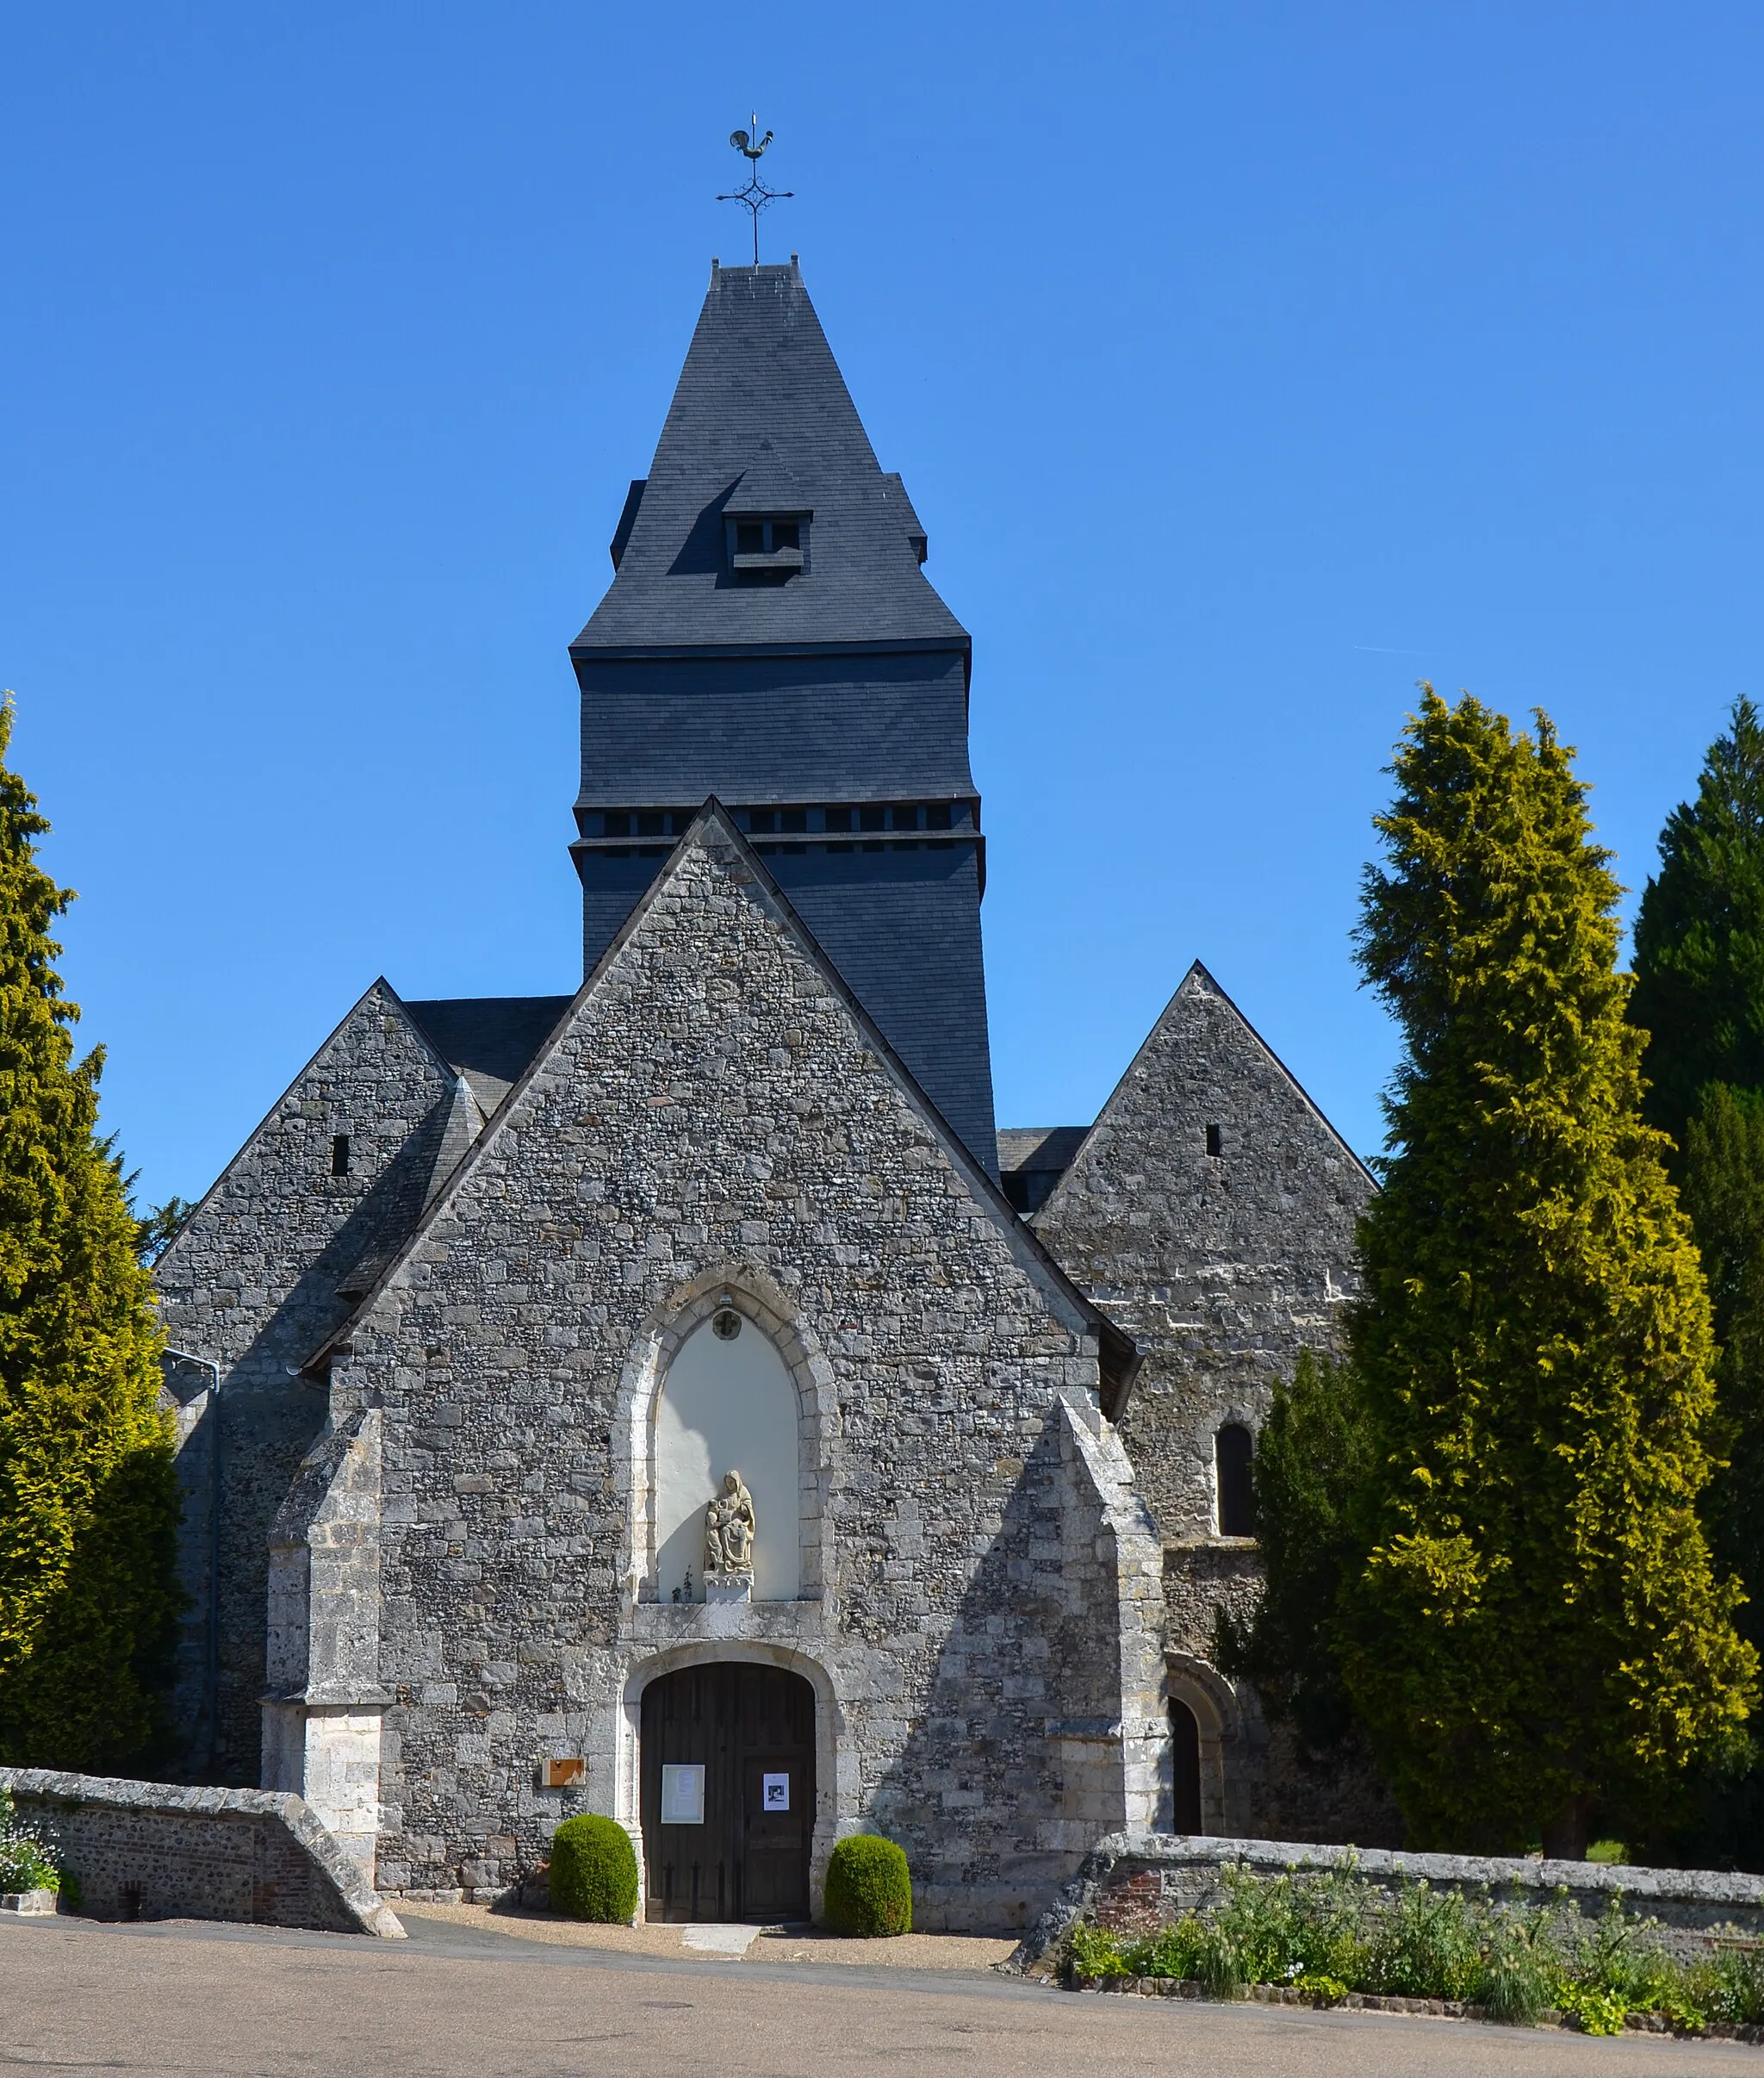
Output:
(766, 544)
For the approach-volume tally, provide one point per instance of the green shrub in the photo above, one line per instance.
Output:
(1425, 1945)
(1599, 2012)
(25, 1863)
(1729, 1986)
(1329, 1932)
(1173, 1951)
(1519, 1979)
(1094, 1954)
(594, 1871)
(869, 1890)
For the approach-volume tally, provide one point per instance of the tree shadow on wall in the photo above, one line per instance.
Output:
(267, 1418)
(91, 1696)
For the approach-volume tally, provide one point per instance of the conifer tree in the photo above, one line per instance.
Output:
(1700, 997)
(1723, 1194)
(88, 1500)
(1699, 935)
(1311, 1462)
(1538, 1632)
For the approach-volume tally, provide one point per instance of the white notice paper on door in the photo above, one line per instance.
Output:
(682, 1795)
(774, 1792)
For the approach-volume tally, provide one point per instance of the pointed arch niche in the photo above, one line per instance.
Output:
(724, 1380)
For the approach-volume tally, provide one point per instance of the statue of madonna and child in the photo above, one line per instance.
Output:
(729, 1528)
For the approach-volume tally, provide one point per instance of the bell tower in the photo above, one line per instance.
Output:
(770, 637)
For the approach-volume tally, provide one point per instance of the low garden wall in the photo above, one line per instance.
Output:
(1131, 1884)
(157, 1850)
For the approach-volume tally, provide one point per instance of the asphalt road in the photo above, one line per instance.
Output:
(452, 2003)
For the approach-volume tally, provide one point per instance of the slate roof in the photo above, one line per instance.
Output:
(1039, 1148)
(762, 395)
(488, 1039)
(1032, 1159)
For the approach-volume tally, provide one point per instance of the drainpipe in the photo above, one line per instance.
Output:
(181, 1356)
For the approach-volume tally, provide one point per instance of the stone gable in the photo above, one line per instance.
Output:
(254, 1282)
(716, 1121)
(1221, 1266)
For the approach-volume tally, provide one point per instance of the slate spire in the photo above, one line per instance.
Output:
(762, 420)
(770, 638)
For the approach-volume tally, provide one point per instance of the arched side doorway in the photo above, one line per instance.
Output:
(727, 1758)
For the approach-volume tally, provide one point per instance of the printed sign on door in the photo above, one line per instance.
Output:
(774, 1792)
(682, 1795)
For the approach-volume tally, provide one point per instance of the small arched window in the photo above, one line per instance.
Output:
(1232, 1449)
(1185, 1750)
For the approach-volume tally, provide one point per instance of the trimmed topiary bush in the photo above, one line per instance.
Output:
(594, 1871)
(869, 1890)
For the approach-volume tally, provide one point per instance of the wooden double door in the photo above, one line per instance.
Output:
(728, 1793)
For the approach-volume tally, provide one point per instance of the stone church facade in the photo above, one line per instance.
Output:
(503, 1293)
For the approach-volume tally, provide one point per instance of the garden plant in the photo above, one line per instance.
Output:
(1331, 1933)
(869, 1890)
(594, 1871)
(26, 1864)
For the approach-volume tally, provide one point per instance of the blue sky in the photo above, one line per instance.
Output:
(1246, 364)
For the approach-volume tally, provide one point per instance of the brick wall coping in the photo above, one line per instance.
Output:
(1683, 1897)
(337, 1877)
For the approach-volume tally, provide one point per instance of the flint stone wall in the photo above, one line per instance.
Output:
(255, 1281)
(1221, 1267)
(1135, 1883)
(984, 1624)
(153, 1851)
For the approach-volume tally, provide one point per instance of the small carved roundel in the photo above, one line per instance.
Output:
(725, 1325)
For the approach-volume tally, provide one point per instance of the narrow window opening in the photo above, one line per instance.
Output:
(1215, 1140)
(786, 534)
(649, 823)
(792, 818)
(750, 538)
(873, 818)
(340, 1154)
(937, 816)
(1233, 1448)
(1185, 1748)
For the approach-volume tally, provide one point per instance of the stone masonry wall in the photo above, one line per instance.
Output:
(714, 1111)
(152, 1850)
(252, 1282)
(1221, 1267)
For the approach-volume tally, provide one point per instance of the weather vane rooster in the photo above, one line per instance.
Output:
(755, 196)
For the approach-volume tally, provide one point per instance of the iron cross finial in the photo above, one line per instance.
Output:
(755, 196)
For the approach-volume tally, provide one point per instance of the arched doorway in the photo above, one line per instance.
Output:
(1185, 1748)
(728, 1793)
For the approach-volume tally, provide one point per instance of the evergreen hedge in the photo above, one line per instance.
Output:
(594, 1871)
(869, 1889)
